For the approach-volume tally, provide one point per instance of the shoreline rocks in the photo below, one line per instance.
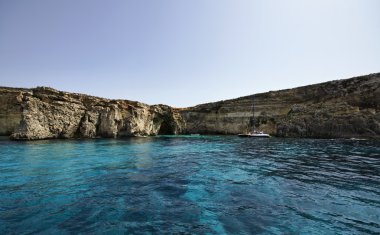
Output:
(337, 109)
(45, 113)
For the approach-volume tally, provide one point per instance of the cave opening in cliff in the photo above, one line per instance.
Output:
(165, 129)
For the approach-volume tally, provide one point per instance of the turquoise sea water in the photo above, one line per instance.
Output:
(190, 185)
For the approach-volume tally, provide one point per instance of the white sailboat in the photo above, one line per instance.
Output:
(254, 132)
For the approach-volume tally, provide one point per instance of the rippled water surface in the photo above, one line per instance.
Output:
(191, 185)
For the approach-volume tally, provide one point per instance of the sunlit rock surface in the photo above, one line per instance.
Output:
(45, 113)
(344, 108)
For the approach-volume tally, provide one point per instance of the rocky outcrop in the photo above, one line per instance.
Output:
(10, 109)
(45, 113)
(344, 108)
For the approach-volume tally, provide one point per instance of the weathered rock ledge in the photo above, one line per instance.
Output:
(45, 113)
(338, 109)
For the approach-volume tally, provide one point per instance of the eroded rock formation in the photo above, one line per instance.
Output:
(45, 113)
(344, 108)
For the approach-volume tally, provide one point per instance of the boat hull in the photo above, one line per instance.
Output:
(254, 135)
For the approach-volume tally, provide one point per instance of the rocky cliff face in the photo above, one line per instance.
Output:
(344, 108)
(45, 113)
(10, 109)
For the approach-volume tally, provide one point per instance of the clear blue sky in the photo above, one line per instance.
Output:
(183, 53)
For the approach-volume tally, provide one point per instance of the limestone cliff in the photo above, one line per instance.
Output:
(10, 109)
(343, 108)
(45, 113)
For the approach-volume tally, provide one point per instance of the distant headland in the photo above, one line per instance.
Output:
(338, 109)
